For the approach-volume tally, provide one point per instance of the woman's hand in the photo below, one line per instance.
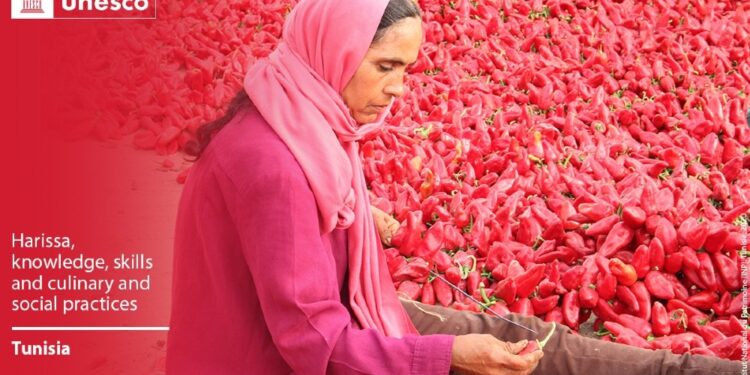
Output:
(476, 354)
(385, 224)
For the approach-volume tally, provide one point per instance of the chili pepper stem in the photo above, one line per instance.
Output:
(549, 335)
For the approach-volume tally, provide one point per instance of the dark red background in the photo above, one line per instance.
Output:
(56, 184)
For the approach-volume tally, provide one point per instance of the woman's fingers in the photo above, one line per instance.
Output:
(385, 224)
(516, 347)
(532, 360)
(484, 354)
(511, 363)
(526, 362)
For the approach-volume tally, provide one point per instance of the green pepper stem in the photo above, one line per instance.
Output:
(549, 335)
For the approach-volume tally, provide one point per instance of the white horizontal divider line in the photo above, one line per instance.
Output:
(71, 328)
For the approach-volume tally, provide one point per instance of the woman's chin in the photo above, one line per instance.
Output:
(366, 118)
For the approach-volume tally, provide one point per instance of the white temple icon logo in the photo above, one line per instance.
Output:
(32, 9)
(32, 6)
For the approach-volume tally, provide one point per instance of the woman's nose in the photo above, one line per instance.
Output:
(396, 88)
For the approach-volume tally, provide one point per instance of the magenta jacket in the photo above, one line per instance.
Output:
(256, 288)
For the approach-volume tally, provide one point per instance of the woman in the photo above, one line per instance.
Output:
(278, 266)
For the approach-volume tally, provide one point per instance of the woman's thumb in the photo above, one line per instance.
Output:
(517, 347)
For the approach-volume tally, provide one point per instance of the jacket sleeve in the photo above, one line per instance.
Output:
(295, 278)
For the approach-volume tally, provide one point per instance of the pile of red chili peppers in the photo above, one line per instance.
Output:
(566, 158)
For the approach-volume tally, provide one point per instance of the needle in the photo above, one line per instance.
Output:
(433, 273)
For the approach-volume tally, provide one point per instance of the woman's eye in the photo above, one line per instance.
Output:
(385, 68)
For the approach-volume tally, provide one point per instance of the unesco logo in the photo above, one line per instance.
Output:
(83, 9)
(32, 6)
(32, 9)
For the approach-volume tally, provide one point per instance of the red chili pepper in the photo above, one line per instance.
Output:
(723, 326)
(737, 211)
(728, 271)
(572, 278)
(653, 222)
(595, 211)
(571, 309)
(680, 291)
(693, 233)
(626, 296)
(428, 294)
(656, 254)
(708, 333)
(506, 290)
(523, 307)
(515, 269)
(453, 275)
(602, 226)
(674, 343)
(716, 238)
(529, 229)
(666, 233)
(619, 237)
(409, 289)
(605, 311)
(602, 264)
(575, 241)
(588, 297)
(416, 269)
(544, 305)
(500, 308)
(553, 226)
(706, 272)
(722, 306)
(734, 241)
(503, 253)
(467, 306)
(644, 299)
(735, 306)
(635, 217)
(736, 326)
(702, 300)
(648, 198)
(702, 351)
(453, 238)
(674, 304)
(528, 281)
(692, 279)
(546, 288)
(442, 261)
(641, 261)
(640, 326)
(690, 258)
(678, 321)
(673, 263)
(606, 287)
(396, 263)
(626, 335)
(660, 320)
(409, 237)
(472, 282)
(624, 273)
(692, 339)
(591, 270)
(727, 348)
(658, 285)
(626, 256)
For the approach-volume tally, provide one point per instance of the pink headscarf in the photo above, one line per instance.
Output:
(298, 92)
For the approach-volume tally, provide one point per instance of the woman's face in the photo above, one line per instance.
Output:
(380, 76)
